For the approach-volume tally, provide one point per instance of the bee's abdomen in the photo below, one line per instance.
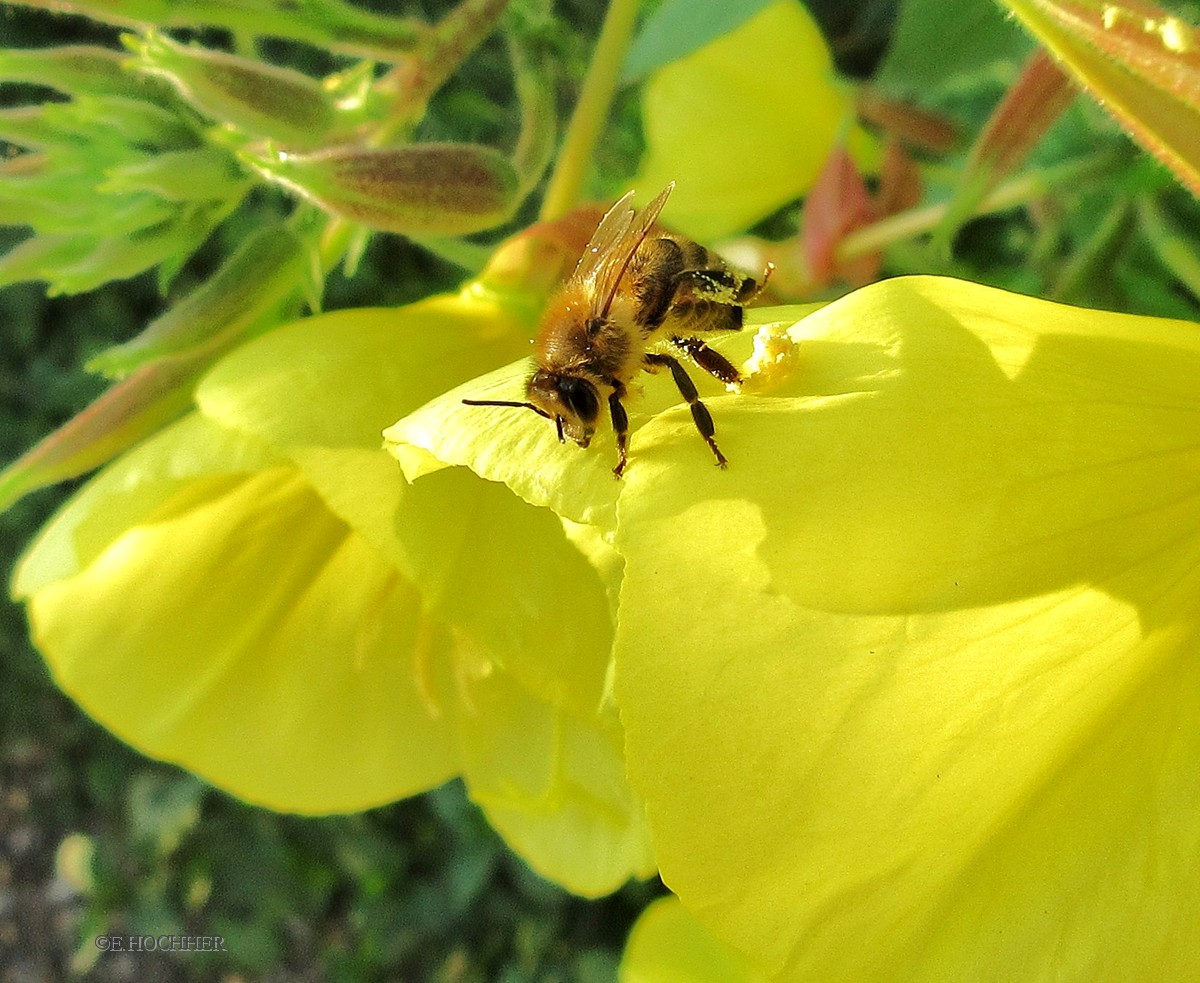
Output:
(652, 274)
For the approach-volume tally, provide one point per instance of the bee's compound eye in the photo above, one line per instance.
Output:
(580, 397)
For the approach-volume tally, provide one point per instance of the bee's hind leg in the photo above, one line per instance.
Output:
(687, 388)
(711, 361)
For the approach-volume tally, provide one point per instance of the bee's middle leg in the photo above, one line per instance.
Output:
(700, 415)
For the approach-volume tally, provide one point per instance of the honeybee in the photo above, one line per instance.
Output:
(632, 294)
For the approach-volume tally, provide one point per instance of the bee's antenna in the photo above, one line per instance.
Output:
(507, 402)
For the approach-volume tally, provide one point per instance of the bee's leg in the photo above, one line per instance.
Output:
(620, 422)
(712, 362)
(750, 288)
(700, 414)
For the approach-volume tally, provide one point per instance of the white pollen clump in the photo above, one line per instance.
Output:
(774, 358)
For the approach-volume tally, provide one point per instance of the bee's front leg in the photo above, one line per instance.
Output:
(620, 422)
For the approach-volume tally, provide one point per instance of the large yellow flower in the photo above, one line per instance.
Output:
(257, 595)
(911, 689)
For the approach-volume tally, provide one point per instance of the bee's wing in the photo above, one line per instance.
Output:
(611, 229)
(612, 247)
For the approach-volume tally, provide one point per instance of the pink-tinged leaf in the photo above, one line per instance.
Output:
(899, 181)
(1141, 63)
(1040, 95)
(838, 204)
(1028, 109)
(124, 414)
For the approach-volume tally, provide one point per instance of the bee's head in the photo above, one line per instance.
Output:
(571, 402)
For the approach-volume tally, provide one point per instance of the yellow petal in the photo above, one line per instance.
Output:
(743, 125)
(910, 690)
(668, 945)
(520, 449)
(322, 390)
(553, 783)
(161, 475)
(506, 576)
(338, 379)
(220, 633)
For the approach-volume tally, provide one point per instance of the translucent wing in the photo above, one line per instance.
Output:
(617, 238)
(610, 230)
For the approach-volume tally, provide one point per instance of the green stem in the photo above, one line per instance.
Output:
(591, 113)
(1096, 252)
(1017, 191)
(1174, 250)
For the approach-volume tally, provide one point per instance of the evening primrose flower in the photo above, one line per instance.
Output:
(256, 595)
(910, 690)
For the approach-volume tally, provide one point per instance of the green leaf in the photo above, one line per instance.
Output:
(76, 69)
(938, 41)
(1139, 62)
(162, 809)
(118, 120)
(252, 282)
(329, 24)
(204, 174)
(120, 258)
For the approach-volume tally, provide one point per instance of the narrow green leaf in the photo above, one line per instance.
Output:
(1141, 63)
(76, 69)
(268, 266)
(54, 204)
(204, 174)
(118, 119)
(128, 411)
(333, 24)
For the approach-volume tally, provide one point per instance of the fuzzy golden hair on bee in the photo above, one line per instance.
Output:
(636, 294)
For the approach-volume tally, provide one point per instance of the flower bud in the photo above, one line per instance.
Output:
(76, 69)
(420, 189)
(261, 99)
